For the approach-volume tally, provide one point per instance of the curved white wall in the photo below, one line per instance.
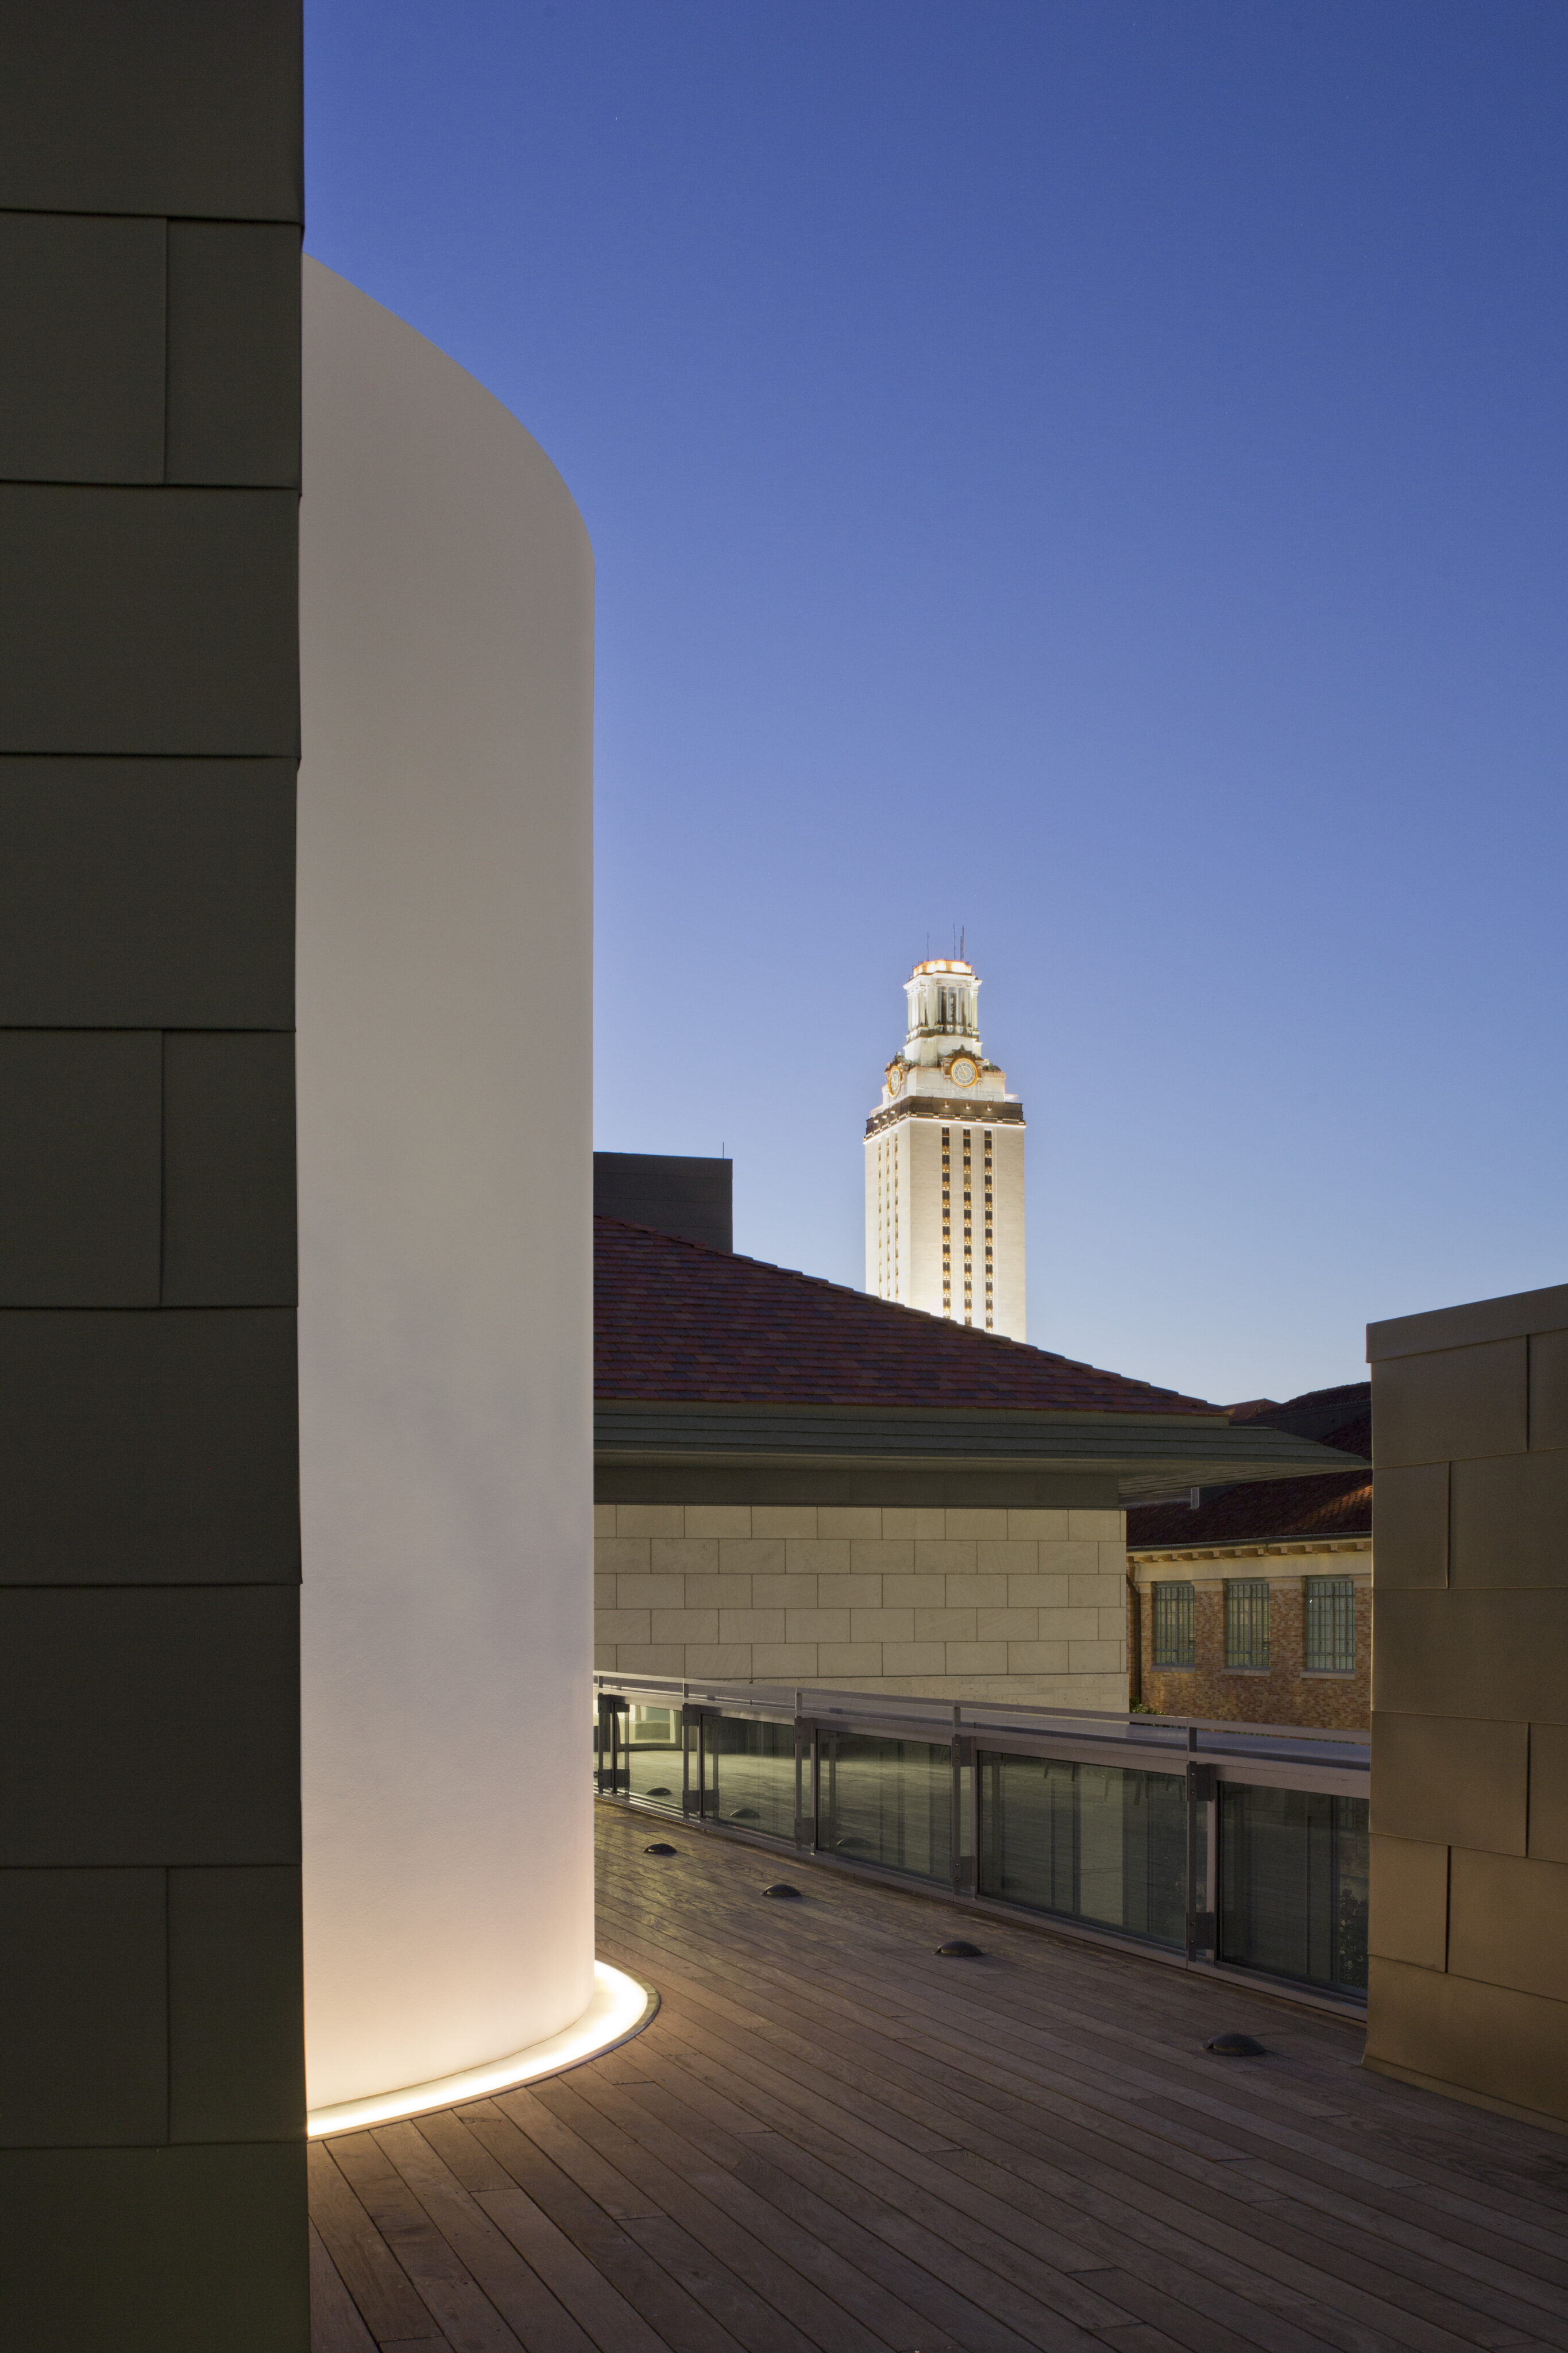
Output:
(445, 1238)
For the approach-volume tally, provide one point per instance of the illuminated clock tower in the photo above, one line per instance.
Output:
(945, 1164)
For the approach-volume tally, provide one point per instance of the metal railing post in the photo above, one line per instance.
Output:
(1200, 1925)
(1192, 1905)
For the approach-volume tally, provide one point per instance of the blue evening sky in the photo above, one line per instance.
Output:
(1090, 470)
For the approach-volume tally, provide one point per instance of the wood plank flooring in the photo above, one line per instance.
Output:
(830, 2138)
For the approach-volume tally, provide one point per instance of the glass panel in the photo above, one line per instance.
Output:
(1096, 1842)
(1175, 1639)
(886, 1801)
(749, 1772)
(1330, 1645)
(1293, 1883)
(652, 1757)
(1246, 1621)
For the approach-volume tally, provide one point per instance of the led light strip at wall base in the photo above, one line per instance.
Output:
(622, 2006)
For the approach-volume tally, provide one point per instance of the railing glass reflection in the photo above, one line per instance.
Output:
(1293, 1890)
(748, 1775)
(1094, 1842)
(886, 1801)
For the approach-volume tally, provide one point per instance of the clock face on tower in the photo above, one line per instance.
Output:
(962, 1071)
(895, 1077)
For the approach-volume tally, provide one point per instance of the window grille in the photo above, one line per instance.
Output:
(1176, 1638)
(1246, 1621)
(1330, 1647)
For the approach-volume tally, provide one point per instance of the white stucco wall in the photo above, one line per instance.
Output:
(443, 1066)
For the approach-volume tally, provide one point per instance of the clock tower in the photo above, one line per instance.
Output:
(945, 1164)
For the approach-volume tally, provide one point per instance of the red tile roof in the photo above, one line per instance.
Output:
(675, 1323)
(1270, 1511)
(1274, 1511)
(1354, 1395)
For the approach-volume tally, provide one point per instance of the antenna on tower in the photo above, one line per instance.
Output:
(961, 940)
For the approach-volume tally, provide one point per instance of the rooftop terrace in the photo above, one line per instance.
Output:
(829, 2137)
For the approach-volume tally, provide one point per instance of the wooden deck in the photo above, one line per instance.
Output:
(830, 2138)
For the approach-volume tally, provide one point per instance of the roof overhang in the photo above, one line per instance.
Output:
(1147, 1454)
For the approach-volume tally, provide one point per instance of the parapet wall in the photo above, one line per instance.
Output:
(1469, 1782)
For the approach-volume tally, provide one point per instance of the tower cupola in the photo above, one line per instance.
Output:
(944, 1009)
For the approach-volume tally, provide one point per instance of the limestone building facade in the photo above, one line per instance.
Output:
(947, 1604)
(945, 1164)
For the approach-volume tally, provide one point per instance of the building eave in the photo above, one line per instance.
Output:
(1146, 1454)
(1150, 1555)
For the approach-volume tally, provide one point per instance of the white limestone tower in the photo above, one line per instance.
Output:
(945, 1164)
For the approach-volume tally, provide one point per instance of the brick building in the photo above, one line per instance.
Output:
(1255, 1602)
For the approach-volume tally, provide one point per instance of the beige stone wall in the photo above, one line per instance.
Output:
(1286, 1693)
(946, 1604)
(1469, 1986)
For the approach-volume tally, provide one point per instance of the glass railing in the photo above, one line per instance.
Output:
(1106, 1844)
(748, 1775)
(1292, 1878)
(1234, 1846)
(886, 1801)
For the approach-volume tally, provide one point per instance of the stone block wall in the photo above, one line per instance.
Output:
(1027, 1605)
(1470, 1773)
(1283, 1693)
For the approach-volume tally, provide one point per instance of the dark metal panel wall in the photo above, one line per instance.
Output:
(674, 1193)
(151, 2151)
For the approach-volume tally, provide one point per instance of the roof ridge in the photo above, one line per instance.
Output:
(959, 1349)
(848, 1290)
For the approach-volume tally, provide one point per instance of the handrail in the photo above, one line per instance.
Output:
(1185, 1734)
